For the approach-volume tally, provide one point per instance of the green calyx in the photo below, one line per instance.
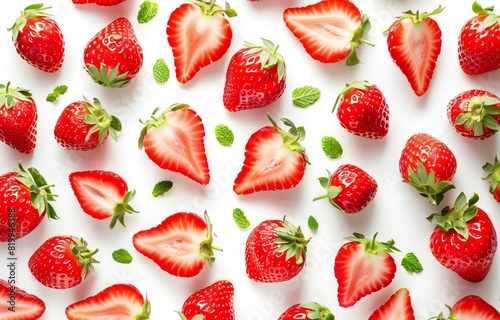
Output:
(121, 208)
(269, 56)
(8, 96)
(31, 11)
(361, 85)
(456, 218)
(493, 177)
(146, 310)
(371, 245)
(317, 311)
(292, 137)
(331, 191)
(206, 248)
(478, 112)
(357, 39)
(108, 78)
(210, 8)
(416, 17)
(101, 121)
(196, 317)
(491, 18)
(40, 192)
(425, 184)
(84, 255)
(442, 317)
(291, 241)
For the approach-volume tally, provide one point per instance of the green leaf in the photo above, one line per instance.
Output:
(161, 72)
(305, 96)
(59, 90)
(224, 135)
(122, 256)
(240, 218)
(147, 11)
(331, 147)
(161, 188)
(312, 223)
(411, 263)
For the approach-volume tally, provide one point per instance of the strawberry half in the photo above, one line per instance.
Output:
(414, 43)
(174, 140)
(330, 30)
(493, 177)
(309, 310)
(398, 307)
(180, 245)
(363, 266)
(199, 34)
(215, 302)
(17, 304)
(102, 194)
(119, 301)
(274, 159)
(473, 307)
(99, 2)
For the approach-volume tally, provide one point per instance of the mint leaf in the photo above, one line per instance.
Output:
(161, 72)
(305, 96)
(147, 11)
(312, 223)
(240, 218)
(122, 256)
(331, 147)
(224, 135)
(59, 90)
(411, 263)
(161, 188)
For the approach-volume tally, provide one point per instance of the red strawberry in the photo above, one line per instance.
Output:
(275, 251)
(493, 177)
(255, 77)
(180, 245)
(38, 38)
(18, 119)
(479, 41)
(174, 140)
(199, 34)
(471, 307)
(362, 110)
(102, 194)
(398, 307)
(349, 189)
(99, 2)
(85, 125)
(428, 165)
(24, 201)
(414, 43)
(475, 114)
(363, 266)
(119, 301)
(211, 303)
(17, 304)
(114, 56)
(274, 159)
(464, 239)
(62, 262)
(309, 310)
(330, 30)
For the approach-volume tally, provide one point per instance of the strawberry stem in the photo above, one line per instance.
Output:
(206, 247)
(121, 208)
(146, 310)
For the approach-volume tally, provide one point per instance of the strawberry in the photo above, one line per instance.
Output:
(479, 41)
(493, 177)
(464, 239)
(199, 34)
(275, 251)
(210, 303)
(99, 2)
(62, 262)
(17, 304)
(102, 194)
(174, 140)
(398, 307)
(18, 118)
(114, 56)
(309, 310)
(38, 39)
(24, 201)
(349, 188)
(330, 30)
(363, 266)
(255, 77)
(85, 125)
(180, 245)
(475, 114)
(414, 43)
(471, 307)
(274, 159)
(428, 165)
(119, 301)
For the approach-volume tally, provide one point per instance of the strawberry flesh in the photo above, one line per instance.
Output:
(26, 306)
(398, 307)
(473, 307)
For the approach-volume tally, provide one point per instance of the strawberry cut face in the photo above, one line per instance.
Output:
(27, 307)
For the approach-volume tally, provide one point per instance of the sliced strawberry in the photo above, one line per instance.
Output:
(102, 194)
(180, 245)
(473, 307)
(174, 140)
(398, 307)
(99, 2)
(119, 301)
(17, 304)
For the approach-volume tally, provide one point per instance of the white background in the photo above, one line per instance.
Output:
(397, 212)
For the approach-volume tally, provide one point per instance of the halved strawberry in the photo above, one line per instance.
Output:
(199, 34)
(471, 307)
(99, 2)
(180, 245)
(398, 307)
(17, 304)
(330, 30)
(102, 194)
(119, 301)
(174, 140)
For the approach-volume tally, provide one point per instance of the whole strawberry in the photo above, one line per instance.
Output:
(479, 41)
(493, 177)
(43, 49)
(114, 56)
(475, 114)
(349, 188)
(18, 119)
(464, 239)
(85, 125)
(275, 251)
(255, 77)
(309, 310)
(99, 2)
(428, 165)
(362, 110)
(62, 262)
(24, 201)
